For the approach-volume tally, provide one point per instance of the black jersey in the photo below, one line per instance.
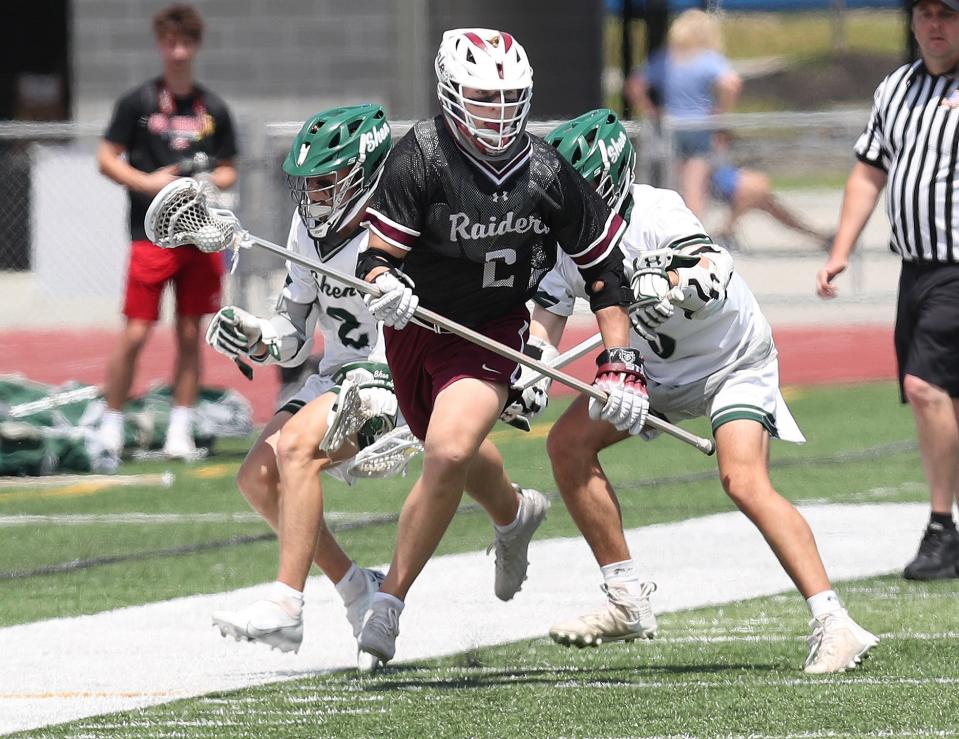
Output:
(479, 239)
(158, 128)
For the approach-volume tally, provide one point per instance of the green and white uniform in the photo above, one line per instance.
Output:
(721, 362)
(350, 333)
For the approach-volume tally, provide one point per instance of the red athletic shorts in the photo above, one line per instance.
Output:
(424, 362)
(196, 277)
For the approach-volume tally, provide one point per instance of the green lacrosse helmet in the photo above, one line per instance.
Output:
(597, 146)
(334, 164)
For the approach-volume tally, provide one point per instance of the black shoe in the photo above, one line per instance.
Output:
(938, 556)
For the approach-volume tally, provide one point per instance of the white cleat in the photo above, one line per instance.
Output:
(837, 644)
(356, 609)
(377, 639)
(624, 618)
(512, 547)
(266, 622)
(367, 663)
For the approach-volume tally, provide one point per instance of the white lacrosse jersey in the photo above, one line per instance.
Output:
(350, 333)
(688, 349)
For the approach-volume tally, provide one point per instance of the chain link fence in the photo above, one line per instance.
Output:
(64, 239)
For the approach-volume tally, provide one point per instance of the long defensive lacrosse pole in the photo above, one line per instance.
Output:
(570, 355)
(208, 235)
(704, 445)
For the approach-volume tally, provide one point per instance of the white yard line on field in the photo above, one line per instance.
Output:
(110, 519)
(64, 669)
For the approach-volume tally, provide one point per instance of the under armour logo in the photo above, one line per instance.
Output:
(497, 195)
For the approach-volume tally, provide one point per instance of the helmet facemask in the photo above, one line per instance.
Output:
(490, 122)
(613, 183)
(328, 202)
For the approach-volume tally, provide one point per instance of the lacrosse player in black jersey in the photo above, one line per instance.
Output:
(465, 223)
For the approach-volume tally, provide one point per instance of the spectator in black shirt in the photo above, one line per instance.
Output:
(168, 127)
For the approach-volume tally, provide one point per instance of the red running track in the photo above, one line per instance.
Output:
(807, 356)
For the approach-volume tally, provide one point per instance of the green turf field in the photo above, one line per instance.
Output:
(730, 671)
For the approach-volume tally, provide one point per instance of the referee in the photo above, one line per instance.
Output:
(911, 143)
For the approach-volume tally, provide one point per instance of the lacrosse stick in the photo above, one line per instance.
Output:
(387, 456)
(179, 215)
(88, 392)
(570, 355)
(348, 419)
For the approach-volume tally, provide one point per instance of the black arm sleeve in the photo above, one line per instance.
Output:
(590, 233)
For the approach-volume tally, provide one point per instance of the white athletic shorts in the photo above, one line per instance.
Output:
(746, 389)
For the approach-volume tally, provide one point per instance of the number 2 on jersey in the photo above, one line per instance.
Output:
(349, 324)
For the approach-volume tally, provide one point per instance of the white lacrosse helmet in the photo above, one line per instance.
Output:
(495, 64)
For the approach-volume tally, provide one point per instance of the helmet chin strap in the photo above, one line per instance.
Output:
(475, 143)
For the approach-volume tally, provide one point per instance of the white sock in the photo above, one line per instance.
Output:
(822, 603)
(392, 600)
(181, 418)
(290, 599)
(112, 419)
(506, 528)
(352, 584)
(623, 574)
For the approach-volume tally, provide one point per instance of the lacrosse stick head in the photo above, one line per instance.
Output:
(345, 419)
(179, 215)
(597, 146)
(334, 164)
(387, 456)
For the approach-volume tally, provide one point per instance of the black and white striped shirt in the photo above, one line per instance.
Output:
(913, 136)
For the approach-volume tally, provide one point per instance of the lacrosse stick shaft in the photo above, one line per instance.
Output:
(362, 286)
(570, 355)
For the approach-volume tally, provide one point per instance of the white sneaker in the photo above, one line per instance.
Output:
(111, 437)
(377, 638)
(624, 618)
(266, 622)
(837, 643)
(357, 607)
(513, 546)
(179, 444)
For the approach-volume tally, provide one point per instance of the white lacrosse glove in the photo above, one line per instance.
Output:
(396, 302)
(234, 332)
(533, 399)
(654, 299)
(619, 374)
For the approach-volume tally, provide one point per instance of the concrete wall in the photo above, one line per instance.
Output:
(270, 59)
(563, 38)
(285, 59)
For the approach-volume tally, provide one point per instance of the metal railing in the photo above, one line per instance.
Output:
(64, 240)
